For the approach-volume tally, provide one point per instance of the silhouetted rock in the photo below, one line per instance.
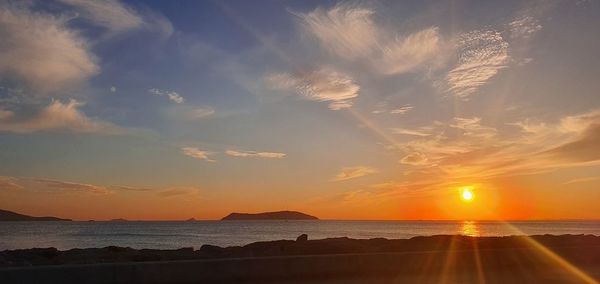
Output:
(302, 238)
(119, 220)
(6, 215)
(279, 215)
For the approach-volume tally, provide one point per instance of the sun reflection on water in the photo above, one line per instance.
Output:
(470, 228)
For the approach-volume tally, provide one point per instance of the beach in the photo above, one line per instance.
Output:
(434, 259)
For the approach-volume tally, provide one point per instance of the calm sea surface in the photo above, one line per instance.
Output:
(168, 235)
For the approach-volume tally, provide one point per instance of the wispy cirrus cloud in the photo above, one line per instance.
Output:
(110, 14)
(42, 52)
(345, 30)
(423, 131)
(178, 191)
(349, 32)
(480, 152)
(402, 110)
(197, 153)
(73, 186)
(321, 85)
(524, 27)
(9, 183)
(482, 54)
(172, 95)
(414, 159)
(353, 172)
(254, 154)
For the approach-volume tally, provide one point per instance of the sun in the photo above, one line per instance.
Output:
(467, 194)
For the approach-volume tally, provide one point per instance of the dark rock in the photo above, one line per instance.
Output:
(302, 238)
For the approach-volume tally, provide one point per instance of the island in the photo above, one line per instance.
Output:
(6, 215)
(279, 215)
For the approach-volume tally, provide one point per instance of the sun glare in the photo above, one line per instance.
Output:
(467, 194)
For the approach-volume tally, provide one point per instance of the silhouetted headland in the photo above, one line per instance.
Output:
(6, 215)
(279, 215)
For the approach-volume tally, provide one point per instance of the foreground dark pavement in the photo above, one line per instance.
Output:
(438, 259)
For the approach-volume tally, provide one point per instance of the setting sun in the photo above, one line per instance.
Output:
(467, 194)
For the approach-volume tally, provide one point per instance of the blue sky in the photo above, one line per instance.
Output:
(349, 109)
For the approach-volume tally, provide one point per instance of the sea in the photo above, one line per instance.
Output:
(173, 235)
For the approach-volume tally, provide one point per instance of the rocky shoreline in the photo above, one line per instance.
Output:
(586, 246)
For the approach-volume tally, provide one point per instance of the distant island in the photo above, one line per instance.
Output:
(6, 215)
(279, 215)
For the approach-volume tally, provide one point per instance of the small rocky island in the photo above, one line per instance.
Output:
(6, 215)
(279, 215)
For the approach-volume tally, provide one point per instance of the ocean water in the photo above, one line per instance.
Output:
(170, 235)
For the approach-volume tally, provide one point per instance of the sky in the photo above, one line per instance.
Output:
(168, 110)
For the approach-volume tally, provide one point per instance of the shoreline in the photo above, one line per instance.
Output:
(436, 259)
(302, 246)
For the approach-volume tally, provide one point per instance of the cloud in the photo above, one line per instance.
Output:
(179, 191)
(9, 183)
(201, 112)
(409, 53)
(73, 186)
(253, 154)
(414, 159)
(585, 149)
(582, 180)
(472, 127)
(173, 96)
(110, 14)
(348, 31)
(322, 85)
(57, 116)
(40, 52)
(425, 131)
(113, 89)
(401, 110)
(524, 27)
(197, 153)
(344, 30)
(465, 150)
(482, 54)
(353, 172)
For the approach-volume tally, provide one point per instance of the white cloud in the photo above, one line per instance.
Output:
(482, 54)
(321, 85)
(401, 110)
(254, 154)
(58, 116)
(414, 159)
(113, 89)
(524, 27)
(40, 51)
(344, 30)
(201, 112)
(414, 132)
(197, 153)
(409, 53)
(172, 95)
(110, 14)
(348, 31)
(353, 172)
